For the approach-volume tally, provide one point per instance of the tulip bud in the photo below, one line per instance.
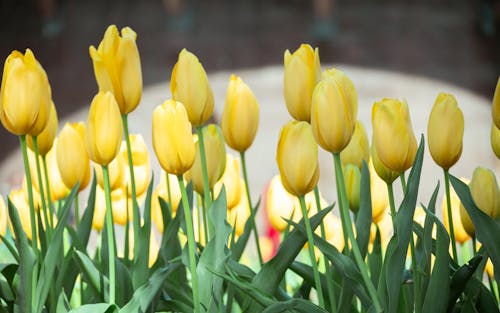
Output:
(445, 131)
(231, 180)
(461, 236)
(379, 195)
(332, 116)
(297, 158)
(215, 153)
(24, 94)
(382, 171)
(189, 85)
(393, 134)
(4, 215)
(281, 205)
(72, 159)
(489, 269)
(346, 85)
(161, 191)
(103, 135)
(495, 140)
(172, 138)
(302, 73)
(484, 190)
(141, 165)
(358, 149)
(117, 67)
(240, 117)
(495, 108)
(116, 171)
(46, 138)
(352, 178)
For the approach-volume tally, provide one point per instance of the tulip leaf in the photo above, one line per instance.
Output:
(460, 279)
(391, 276)
(487, 230)
(485, 300)
(364, 218)
(239, 246)
(97, 281)
(62, 304)
(297, 305)
(96, 308)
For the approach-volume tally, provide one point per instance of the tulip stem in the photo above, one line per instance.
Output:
(328, 270)
(191, 244)
(310, 241)
(450, 215)
(250, 207)
(77, 211)
(392, 205)
(344, 211)
(22, 139)
(47, 185)
(169, 192)
(41, 188)
(135, 208)
(206, 188)
(110, 235)
(403, 181)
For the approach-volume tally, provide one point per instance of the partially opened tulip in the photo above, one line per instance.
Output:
(495, 108)
(231, 180)
(358, 149)
(302, 73)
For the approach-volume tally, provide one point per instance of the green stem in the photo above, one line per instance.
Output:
(135, 209)
(342, 218)
(328, 270)
(474, 246)
(169, 193)
(41, 188)
(77, 211)
(191, 244)
(47, 188)
(250, 207)
(310, 241)
(450, 215)
(22, 139)
(392, 205)
(110, 235)
(206, 188)
(494, 290)
(344, 210)
(403, 181)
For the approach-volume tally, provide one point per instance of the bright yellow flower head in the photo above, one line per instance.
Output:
(358, 149)
(116, 171)
(119, 205)
(352, 177)
(461, 235)
(281, 205)
(24, 94)
(484, 190)
(189, 85)
(46, 138)
(103, 135)
(172, 138)
(495, 108)
(231, 180)
(58, 190)
(379, 195)
(445, 131)
(393, 134)
(19, 200)
(72, 159)
(161, 191)
(215, 153)
(117, 67)
(240, 118)
(297, 158)
(382, 171)
(495, 140)
(345, 83)
(302, 73)
(141, 164)
(239, 215)
(333, 115)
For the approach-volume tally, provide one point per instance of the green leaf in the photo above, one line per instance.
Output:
(239, 246)
(364, 218)
(460, 279)
(96, 308)
(375, 258)
(485, 301)
(96, 281)
(298, 305)
(62, 304)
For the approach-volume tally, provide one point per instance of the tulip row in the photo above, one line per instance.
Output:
(361, 265)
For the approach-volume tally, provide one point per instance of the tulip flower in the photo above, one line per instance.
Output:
(240, 117)
(24, 95)
(393, 136)
(495, 108)
(382, 171)
(153, 247)
(281, 205)
(116, 171)
(103, 135)
(379, 195)
(231, 180)
(352, 177)
(215, 151)
(333, 231)
(117, 67)
(4, 216)
(333, 118)
(189, 85)
(141, 165)
(461, 236)
(172, 138)
(467, 222)
(345, 83)
(46, 138)
(489, 269)
(18, 199)
(297, 158)
(161, 191)
(495, 140)
(445, 131)
(358, 149)
(238, 216)
(302, 73)
(484, 190)
(58, 189)
(72, 159)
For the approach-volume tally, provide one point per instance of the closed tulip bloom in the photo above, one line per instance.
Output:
(281, 205)
(297, 158)
(46, 138)
(382, 171)
(495, 108)
(466, 222)
(58, 190)
(231, 180)
(352, 178)
(484, 190)
(172, 138)
(161, 191)
(393, 134)
(461, 236)
(189, 85)
(103, 135)
(495, 140)
(116, 172)
(358, 149)
(347, 86)
(332, 116)
(379, 195)
(72, 159)
(141, 164)
(24, 94)
(4, 216)
(117, 67)
(240, 117)
(215, 153)
(302, 73)
(445, 131)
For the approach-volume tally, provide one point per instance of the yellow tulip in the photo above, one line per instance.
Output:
(445, 131)
(333, 231)
(141, 165)
(297, 158)
(281, 205)
(386, 230)
(172, 138)
(215, 152)
(72, 159)
(302, 73)
(352, 178)
(231, 180)
(116, 171)
(238, 216)
(346, 85)
(4, 216)
(466, 222)
(117, 67)
(240, 117)
(379, 195)
(24, 94)
(358, 149)
(161, 191)
(58, 190)
(495, 140)
(461, 236)
(119, 205)
(393, 134)
(484, 190)
(489, 269)
(189, 85)
(18, 199)
(333, 118)
(495, 108)
(153, 247)
(46, 138)
(103, 135)
(382, 171)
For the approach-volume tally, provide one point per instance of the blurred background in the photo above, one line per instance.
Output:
(456, 41)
